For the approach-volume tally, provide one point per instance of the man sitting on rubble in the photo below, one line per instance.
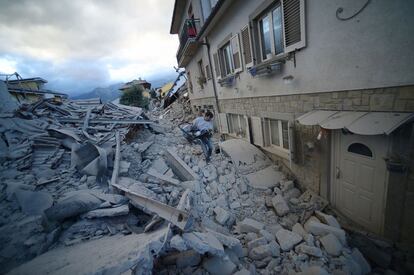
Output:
(204, 124)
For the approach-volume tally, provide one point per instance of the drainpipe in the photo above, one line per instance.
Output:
(213, 77)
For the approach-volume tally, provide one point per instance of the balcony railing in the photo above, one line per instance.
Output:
(188, 41)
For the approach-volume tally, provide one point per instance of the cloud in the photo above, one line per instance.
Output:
(90, 42)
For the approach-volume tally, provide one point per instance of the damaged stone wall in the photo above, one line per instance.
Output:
(306, 167)
(397, 99)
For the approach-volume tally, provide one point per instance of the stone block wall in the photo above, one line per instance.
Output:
(309, 166)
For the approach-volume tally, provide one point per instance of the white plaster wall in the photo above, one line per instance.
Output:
(372, 50)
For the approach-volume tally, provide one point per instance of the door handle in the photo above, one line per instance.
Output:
(337, 172)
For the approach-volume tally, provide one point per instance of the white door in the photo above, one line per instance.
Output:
(360, 178)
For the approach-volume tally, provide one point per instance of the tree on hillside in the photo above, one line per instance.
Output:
(134, 97)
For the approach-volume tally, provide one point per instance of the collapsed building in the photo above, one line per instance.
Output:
(317, 86)
(98, 188)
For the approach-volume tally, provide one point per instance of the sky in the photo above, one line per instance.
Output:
(78, 45)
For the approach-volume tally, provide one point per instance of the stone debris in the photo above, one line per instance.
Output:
(280, 205)
(177, 242)
(287, 239)
(110, 182)
(331, 244)
(250, 225)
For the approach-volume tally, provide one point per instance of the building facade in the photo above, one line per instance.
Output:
(325, 88)
(29, 90)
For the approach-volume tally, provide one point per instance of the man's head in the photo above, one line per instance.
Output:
(208, 116)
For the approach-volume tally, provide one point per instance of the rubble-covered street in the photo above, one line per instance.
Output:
(102, 188)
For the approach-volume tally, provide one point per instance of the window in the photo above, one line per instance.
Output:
(279, 29)
(270, 32)
(237, 125)
(227, 60)
(360, 149)
(206, 7)
(278, 133)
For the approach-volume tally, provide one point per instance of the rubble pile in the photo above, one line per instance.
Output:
(56, 158)
(155, 202)
(178, 112)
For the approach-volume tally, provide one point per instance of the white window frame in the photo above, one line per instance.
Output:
(290, 9)
(271, 31)
(222, 59)
(280, 135)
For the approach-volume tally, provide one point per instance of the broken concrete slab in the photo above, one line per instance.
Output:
(160, 166)
(309, 250)
(204, 242)
(219, 265)
(33, 203)
(162, 177)
(328, 219)
(298, 229)
(280, 205)
(250, 225)
(107, 212)
(256, 242)
(222, 216)
(89, 159)
(72, 206)
(287, 239)
(178, 243)
(242, 272)
(331, 244)
(188, 258)
(178, 217)
(111, 255)
(321, 229)
(359, 258)
(228, 241)
(245, 155)
(313, 270)
(264, 178)
(179, 167)
(262, 251)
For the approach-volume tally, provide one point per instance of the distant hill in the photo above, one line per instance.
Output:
(106, 94)
(111, 92)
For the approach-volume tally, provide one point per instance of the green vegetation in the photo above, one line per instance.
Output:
(134, 97)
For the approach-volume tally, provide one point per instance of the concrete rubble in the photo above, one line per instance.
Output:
(98, 186)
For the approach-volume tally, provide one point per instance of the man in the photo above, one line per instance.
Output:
(205, 126)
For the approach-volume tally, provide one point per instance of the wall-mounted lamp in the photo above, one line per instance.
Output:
(288, 79)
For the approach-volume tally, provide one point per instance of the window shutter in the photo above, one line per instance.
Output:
(292, 151)
(294, 24)
(216, 65)
(266, 132)
(257, 131)
(247, 129)
(224, 128)
(246, 44)
(235, 48)
(208, 72)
